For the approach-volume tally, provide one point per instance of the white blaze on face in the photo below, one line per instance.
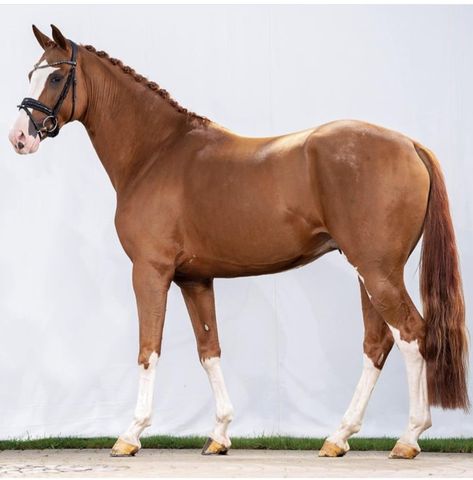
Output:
(20, 132)
(144, 404)
(224, 407)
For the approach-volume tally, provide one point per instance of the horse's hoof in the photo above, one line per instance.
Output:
(212, 447)
(123, 449)
(404, 451)
(330, 449)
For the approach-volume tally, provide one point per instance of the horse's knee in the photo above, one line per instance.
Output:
(208, 345)
(208, 350)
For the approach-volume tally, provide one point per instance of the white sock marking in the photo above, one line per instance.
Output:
(223, 405)
(419, 409)
(144, 404)
(351, 422)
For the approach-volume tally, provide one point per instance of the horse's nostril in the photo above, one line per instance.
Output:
(20, 145)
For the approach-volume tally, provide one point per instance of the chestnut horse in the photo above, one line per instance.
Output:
(196, 201)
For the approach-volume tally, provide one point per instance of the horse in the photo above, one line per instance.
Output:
(196, 201)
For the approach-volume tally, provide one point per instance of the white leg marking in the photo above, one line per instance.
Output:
(224, 407)
(419, 409)
(351, 422)
(144, 404)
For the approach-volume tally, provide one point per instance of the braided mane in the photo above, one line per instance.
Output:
(164, 94)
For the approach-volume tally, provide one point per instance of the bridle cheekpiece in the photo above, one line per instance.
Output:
(50, 124)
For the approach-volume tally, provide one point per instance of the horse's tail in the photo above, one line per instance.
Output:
(446, 347)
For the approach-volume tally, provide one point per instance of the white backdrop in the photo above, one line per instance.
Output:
(292, 343)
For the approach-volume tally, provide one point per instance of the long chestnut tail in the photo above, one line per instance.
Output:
(442, 298)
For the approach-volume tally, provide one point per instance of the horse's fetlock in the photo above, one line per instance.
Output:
(351, 426)
(143, 420)
(225, 415)
(421, 423)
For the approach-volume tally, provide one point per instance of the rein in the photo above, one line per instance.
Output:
(50, 124)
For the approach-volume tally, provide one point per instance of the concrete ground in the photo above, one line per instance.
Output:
(238, 463)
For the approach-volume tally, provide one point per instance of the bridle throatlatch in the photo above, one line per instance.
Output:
(50, 124)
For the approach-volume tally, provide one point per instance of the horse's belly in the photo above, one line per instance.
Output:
(256, 258)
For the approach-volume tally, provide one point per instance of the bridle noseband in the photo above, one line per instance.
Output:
(50, 124)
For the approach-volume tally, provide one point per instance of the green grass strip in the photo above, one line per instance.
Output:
(446, 445)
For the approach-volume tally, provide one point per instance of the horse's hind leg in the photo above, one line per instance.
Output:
(377, 344)
(199, 298)
(390, 298)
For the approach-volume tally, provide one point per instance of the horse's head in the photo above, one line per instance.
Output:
(52, 98)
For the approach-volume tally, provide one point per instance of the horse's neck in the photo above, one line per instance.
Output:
(127, 123)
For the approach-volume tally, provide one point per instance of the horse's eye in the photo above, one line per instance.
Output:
(55, 79)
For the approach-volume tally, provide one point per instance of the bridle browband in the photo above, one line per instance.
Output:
(50, 124)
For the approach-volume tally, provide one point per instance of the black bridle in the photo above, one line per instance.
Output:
(50, 123)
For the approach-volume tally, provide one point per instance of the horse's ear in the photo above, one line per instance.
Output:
(43, 39)
(59, 37)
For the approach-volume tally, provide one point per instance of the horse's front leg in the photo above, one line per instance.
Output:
(151, 285)
(199, 298)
